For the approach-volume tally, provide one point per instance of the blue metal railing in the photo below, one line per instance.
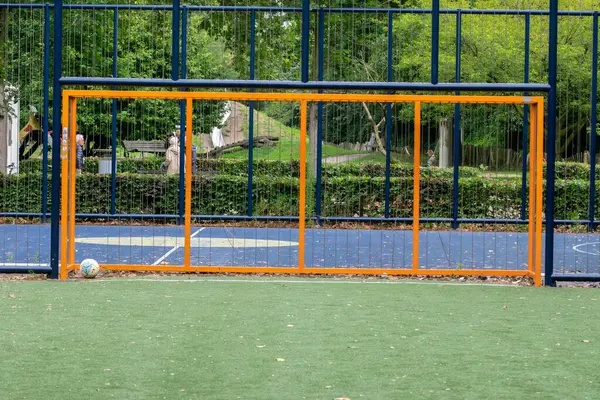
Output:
(304, 83)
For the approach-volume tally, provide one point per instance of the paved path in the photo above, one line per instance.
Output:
(345, 158)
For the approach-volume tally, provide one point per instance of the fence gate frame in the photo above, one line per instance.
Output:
(68, 178)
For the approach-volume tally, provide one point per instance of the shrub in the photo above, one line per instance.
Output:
(262, 167)
(479, 197)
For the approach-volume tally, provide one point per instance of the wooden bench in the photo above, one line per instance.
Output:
(102, 153)
(144, 146)
(259, 141)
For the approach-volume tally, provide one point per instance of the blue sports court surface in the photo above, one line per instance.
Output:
(29, 246)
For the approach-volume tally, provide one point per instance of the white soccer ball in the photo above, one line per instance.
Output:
(89, 268)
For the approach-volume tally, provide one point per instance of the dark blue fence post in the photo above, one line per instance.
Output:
(525, 122)
(591, 226)
(113, 169)
(251, 111)
(176, 15)
(551, 146)
(456, 140)
(182, 109)
(56, 134)
(305, 38)
(320, 72)
(45, 127)
(388, 111)
(435, 40)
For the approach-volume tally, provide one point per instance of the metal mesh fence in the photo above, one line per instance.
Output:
(262, 40)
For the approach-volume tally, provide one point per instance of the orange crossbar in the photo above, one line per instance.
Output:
(309, 271)
(298, 97)
(536, 156)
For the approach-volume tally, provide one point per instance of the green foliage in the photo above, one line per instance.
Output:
(355, 50)
(212, 195)
(22, 193)
(397, 170)
(262, 166)
(347, 195)
(570, 171)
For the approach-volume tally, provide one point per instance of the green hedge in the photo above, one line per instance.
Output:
(564, 170)
(342, 196)
(264, 167)
(397, 170)
(572, 170)
(91, 165)
(479, 197)
(212, 195)
(22, 193)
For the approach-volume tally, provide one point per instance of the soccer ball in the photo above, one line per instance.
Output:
(89, 268)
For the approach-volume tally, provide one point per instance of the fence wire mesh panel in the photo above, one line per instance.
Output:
(372, 45)
(24, 187)
(279, 199)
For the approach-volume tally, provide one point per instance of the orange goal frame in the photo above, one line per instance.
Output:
(68, 178)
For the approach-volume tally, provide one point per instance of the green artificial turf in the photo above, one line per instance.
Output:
(221, 340)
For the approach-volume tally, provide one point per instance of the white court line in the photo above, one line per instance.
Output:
(174, 249)
(349, 282)
(576, 248)
(23, 265)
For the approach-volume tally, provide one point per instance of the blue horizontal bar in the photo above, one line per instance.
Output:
(23, 5)
(117, 6)
(575, 277)
(245, 8)
(25, 270)
(491, 221)
(316, 85)
(197, 217)
(90, 6)
(368, 219)
(453, 11)
(294, 218)
(574, 221)
(126, 216)
(22, 215)
(244, 218)
(299, 9)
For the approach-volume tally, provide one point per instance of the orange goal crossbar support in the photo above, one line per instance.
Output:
(68, 177)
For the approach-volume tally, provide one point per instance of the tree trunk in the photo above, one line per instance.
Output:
(312, 137)
(313, 111)
(445, 128)
(376, 126)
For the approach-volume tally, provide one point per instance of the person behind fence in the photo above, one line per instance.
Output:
(176, 134)
(431, 161)
(172, 159)
(79, 152)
